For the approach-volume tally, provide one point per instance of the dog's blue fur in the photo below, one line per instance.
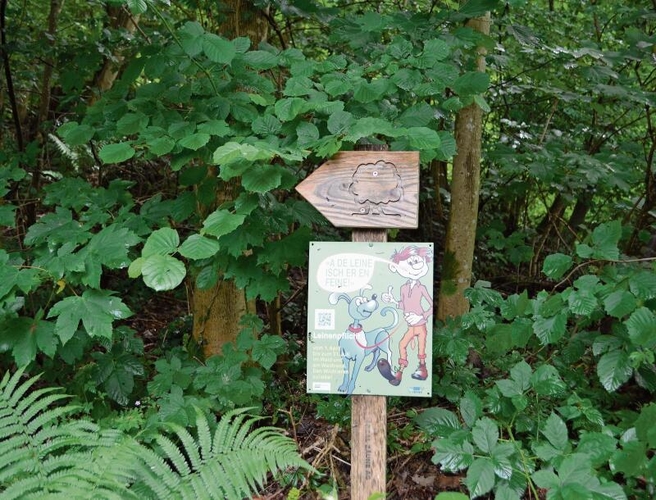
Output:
(376, 341)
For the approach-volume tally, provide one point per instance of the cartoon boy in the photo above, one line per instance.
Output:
(411, 263)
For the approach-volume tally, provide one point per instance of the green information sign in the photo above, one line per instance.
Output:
(370, 317)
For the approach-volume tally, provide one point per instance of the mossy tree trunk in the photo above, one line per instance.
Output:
(463, 218)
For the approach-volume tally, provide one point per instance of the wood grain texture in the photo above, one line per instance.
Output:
(366, 189)
(368, 423)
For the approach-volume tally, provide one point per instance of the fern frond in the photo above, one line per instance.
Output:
(233, 463)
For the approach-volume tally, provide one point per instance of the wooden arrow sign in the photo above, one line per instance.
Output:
(368, 189)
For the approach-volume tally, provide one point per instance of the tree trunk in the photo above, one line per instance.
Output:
(218, 310)
(119, 18)
(463, 217)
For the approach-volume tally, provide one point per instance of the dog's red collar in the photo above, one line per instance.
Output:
(355, 329)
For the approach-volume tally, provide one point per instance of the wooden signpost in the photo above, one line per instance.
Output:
(372, 190)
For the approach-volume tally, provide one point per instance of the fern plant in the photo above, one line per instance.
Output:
(45, 452)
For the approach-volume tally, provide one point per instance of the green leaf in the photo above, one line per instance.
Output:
(96, 309)
(161, 242)
(199, 247)
(339, 122)
(453, 457)
(262, 178)
(266, 125)
(260, 59)
(161, 145)
(643, 285)
(218, 49)
(480, 477)
(116, 153)
(194, 141)
(162, 272)
(556, 265)
(582, 302)
(438, 422)
(137, 6)
(471, 408)
(472, 82)
(76, 135)
(437, 49)
(423, 138)
(131, 123)
(26, 336)
(641, 327)
(267, 349)
(620, 303)
(485, 434)
(614, 369)
(288, 109)
(546, 381)
(218, 128)
(222, 222)
(550, 330)
(451, 495)
(605, 239)
(477, 8)
(555, 431)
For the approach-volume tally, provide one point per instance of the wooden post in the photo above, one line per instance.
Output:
(368, 413)
(368, 423)
(369, 193)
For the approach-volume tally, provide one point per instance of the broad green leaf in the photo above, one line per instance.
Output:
(614, 369)
(288, 109)
(194, 141)
(641, 327)
(8, 215)
(191, 38)
(472, 82)
(266, 125)
(556, 265)
(338, 87)
(218, 49)
(116, 153)
(438, 421)
(546, 381)
(485, 434)
(555, 431)
(162, 272)
(199, 247)
(471, 408)
(131, 123)
(261, 178)
(582, 302)
(419, 115)
(307, 133)
(267, 349)
(480, 477)
(546, 479)
(134, 270)
(95, 309)
(161, 145)
(222, 222)
(620, 303)
(598, 446)
(161, 242)
(437, 49)
(605, 239)
(26, 336)
(550, 330)
(77, 135)
(643, 285)
(477, 8)
(423, 138)
(453, 457)
(298, 86)
(218, 128)
(260, 59)
(339, 122)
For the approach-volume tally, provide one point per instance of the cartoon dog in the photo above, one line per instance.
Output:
(356, 344)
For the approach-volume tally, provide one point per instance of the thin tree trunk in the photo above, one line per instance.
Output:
(219, 310)
(463, 217)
